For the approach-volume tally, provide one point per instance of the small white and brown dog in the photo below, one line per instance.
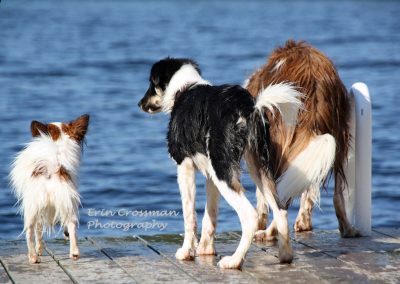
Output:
(44, 179)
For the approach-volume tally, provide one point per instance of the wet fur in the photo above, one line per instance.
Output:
(326, 110)
(211, 128)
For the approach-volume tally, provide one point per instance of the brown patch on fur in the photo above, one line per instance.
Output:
(54, 131)
(38, 171)
(37, 128)
(237, 186)
(326, 104)
(77, 128)
(64, 174)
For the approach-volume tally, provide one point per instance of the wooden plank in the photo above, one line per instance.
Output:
(392, 232)
(141, 262)
(331, 243)
(14, 257)
(203, 268)
(265, 264)
(320, 257)
(309, 265)
(376, 257)
(92, 266)
(4, 278)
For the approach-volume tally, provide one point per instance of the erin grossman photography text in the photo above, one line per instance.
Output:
(129, 220)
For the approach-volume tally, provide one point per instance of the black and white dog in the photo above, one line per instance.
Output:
(211, 128)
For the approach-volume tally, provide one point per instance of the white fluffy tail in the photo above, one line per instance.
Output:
(284, 97)
(308, 169)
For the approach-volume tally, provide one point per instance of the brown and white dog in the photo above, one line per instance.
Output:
(304, 155)
(44, 179)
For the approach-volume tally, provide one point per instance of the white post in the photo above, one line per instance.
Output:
(358, 171)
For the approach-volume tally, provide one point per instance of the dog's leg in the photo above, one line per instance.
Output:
(39, 238)
(303, 220)
(248, 220)
(280, 218)
(209, 224)
(187, 188)
(268, 235)
(262, 206)
(73, 241)
(345, 228)
(262, 210)
(66, 234)
(32, 256)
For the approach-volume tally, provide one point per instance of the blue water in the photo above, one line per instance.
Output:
(60, 59)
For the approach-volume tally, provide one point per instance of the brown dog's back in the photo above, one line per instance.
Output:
(326, 105)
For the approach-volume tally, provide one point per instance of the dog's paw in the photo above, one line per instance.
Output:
(74, 255)
(33, 258)
(184, 254)
(350, 233)
(303, 225)
(230, 262)
(286, 255)
(206, 249)
(263, 236)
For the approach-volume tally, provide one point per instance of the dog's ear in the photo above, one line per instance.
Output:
(155, 80)
(37, 128)
(79, 127)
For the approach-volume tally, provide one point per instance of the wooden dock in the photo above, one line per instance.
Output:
(320, 257)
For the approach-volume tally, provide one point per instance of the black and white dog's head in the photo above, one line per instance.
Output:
(167, 77)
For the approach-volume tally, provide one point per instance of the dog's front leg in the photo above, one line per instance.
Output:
(209, 224)
(187, 188)
(73, 241)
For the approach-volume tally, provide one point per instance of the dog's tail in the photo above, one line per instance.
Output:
(284, 97)
(286, 100)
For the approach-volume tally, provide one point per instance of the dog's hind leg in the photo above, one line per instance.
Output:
(263, 233)
(247, 216)
(345, 228)
(73, 241)
(209, 223)
(303, 219)
(187, 188)
(262, 210)
(280, 219)
(30, 231)
(39, 238)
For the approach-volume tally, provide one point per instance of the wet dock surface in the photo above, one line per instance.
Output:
(320, 257)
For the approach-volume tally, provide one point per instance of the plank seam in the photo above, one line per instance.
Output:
(385, 234)
(50, 252)
(146, 243)
(110, 257)
(317, 250)
(7, 272)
